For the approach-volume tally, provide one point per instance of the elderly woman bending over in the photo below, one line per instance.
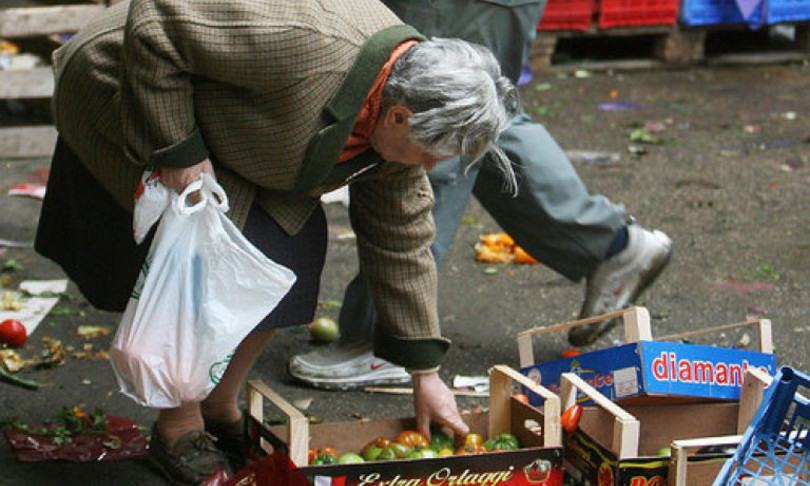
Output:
(280, 101)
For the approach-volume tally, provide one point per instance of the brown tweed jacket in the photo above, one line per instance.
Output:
(270, 91)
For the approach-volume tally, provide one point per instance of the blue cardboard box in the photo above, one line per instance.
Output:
(655, 368)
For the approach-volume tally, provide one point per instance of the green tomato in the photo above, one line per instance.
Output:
(422, 454)
(323, 329)
(372, 453)
(350, 458)
(400, 450)
(439, 440)
(503, 442)
(386, 454)
(324, 459)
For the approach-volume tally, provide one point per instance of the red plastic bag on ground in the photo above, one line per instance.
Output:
(275, 469)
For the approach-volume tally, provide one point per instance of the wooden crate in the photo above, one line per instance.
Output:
(38, 24)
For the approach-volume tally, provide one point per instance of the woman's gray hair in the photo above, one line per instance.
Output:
(460, 100)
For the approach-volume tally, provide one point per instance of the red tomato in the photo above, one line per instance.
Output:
(13, 333)
(521, 397)
(570, 353)
(412, 438)
(570, 418)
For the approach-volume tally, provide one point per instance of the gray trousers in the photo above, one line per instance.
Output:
(553, 217)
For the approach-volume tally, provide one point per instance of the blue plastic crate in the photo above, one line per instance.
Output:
(775, 449)
(779, 11)
(711, 12)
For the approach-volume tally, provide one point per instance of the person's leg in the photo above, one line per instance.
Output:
(350, 363)
(557, 221)
(553, 217)
(222, 404)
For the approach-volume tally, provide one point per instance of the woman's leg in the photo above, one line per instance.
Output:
(222, 405)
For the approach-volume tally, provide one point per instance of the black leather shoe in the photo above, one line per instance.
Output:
(191, 460)
(231, 441)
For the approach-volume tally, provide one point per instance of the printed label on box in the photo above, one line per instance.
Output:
(626, 382)
(655, 367)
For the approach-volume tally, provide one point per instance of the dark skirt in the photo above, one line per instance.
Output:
(89, 235)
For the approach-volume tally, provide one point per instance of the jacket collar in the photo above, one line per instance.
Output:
(324, 149)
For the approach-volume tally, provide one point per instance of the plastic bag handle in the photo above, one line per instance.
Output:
(182, 203)
(218, 198)
(211, 193)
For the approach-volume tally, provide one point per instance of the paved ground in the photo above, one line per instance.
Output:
(729, 184)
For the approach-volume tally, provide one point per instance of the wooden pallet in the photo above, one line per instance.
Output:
(665, 46)
(27, 23)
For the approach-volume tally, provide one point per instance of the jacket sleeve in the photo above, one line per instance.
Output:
(391, 216)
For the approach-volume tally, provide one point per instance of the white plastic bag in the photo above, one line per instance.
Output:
(201, 290)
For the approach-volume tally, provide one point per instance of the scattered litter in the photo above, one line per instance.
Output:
(542, 87)
(11, 301)
(11, 265)
(636, 150)
(752, 129)
(90, 332)
(500, 248)
(33, 309)
(52, 356)
(7, 377)
(593, 158)
(76, 436)
(620, 106)
(795, 162)
(642, 135)
(44, 287)
(789, 115)
(90, 354)
(758, 309)
(36, 191)
(302, 404)
(582, 74)
(15, 244)
(477, 383)
(744, 341)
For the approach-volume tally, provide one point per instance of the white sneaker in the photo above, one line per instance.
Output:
(344, 366)
(619, 281)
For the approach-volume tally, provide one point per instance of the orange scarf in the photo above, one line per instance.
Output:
(367, 118)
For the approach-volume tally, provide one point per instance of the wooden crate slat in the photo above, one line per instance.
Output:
(31, 21)
(27, 141)
(28, 83)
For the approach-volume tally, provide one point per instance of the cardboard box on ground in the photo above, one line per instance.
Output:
(659, 401)
(538, 462)
(644, 368)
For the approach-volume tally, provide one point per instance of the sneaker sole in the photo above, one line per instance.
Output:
(645, 283)
(345, 384)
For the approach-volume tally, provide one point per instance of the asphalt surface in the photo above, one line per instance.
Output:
(728, 183)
